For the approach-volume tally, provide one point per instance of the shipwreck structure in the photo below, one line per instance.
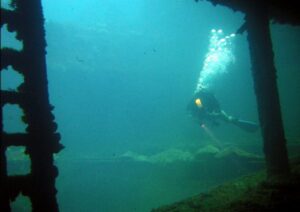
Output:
(40, 140)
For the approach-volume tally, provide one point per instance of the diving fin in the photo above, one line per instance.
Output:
(248, 126)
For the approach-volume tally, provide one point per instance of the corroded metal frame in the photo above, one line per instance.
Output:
(41, 139)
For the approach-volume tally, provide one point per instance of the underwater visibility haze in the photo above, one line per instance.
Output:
(120, 76)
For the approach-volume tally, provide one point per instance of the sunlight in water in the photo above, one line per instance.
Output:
(218, 57)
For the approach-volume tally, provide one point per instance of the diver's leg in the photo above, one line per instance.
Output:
(225, 117)
(245, 125)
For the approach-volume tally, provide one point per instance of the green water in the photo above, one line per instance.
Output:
(121, 74)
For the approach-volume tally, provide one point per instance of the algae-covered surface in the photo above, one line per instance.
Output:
(249, 193)
(208, 152)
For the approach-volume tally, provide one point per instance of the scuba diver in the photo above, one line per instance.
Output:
(205, 108)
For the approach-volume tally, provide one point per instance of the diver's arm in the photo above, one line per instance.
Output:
(227, 117)
(245, 125)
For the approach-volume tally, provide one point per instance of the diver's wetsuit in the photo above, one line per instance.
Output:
(209, 110)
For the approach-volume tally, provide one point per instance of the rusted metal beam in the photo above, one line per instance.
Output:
(265, 85)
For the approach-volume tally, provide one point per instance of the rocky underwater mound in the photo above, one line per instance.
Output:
(204, 154)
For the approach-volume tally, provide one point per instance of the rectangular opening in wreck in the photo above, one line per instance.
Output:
(21, 203)
(11, 79)
(18, 162)
(8, 39)
(12, 119)
(7, 4)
